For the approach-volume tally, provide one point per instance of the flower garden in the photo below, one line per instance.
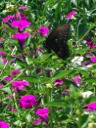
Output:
(42, 89)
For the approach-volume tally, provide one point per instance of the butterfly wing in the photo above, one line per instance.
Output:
(57, 41)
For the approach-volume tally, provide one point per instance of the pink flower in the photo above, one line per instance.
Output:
(1, 38)
(90, 43)
(93, 59)
(4, 60)
(11, 109)
(37, 121)
(20, 56)
(10, 97)
(8, 78)
(20, 24)
(15, 72)
(21, 16)
(43, 31)
(28, 101)
(19, 85)
(3, 124)
(7, 19)
(43, 113)
(69, 15)
(77, 79)
(22, 7)
(65, 92)
(91, 106)
(58, 82)
(21, 37)
(38, 49)
(1, 85)
(2, 53)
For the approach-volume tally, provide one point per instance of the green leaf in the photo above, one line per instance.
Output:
(28, 118)
(84, 121)
(61, 74)
(74, 2)
(87, 2)
(90, 80)
(30, 79)
(60, 103)
(7, 89)
(69, 82)
(1, 63)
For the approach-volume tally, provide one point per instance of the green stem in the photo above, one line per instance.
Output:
(14, 79)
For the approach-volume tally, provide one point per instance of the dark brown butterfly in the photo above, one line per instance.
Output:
(57, 41)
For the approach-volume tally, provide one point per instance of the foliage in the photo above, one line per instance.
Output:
(65, 102)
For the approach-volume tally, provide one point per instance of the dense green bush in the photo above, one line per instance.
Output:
(39, 89)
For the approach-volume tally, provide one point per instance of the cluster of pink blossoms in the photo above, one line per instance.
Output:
(20, 22)
(19, 85)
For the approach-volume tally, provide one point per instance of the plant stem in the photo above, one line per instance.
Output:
(85, 34)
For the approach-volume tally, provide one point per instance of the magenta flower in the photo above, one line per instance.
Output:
(21, 38)
(43, 31)
(69, 15)
(92, 46)
(11, 109)
(22, 7)
(8, 19)
(90, 43)
(20, 56)
(37, 121)
(20, 24)
(21, 16)
(15, 72)
(2, 53)
(93, 59)
(38, 49)
(10, 97)
(4, 60)
(8, 78)
(91, 106)
(77, 79)
(19, 85)
(28, 101)
(58, 82)
(43, 113)
(3, 124)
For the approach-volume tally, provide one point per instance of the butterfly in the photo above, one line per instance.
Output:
(57, 41)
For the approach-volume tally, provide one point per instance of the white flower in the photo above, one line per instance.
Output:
(77, 60)
(87, 94)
